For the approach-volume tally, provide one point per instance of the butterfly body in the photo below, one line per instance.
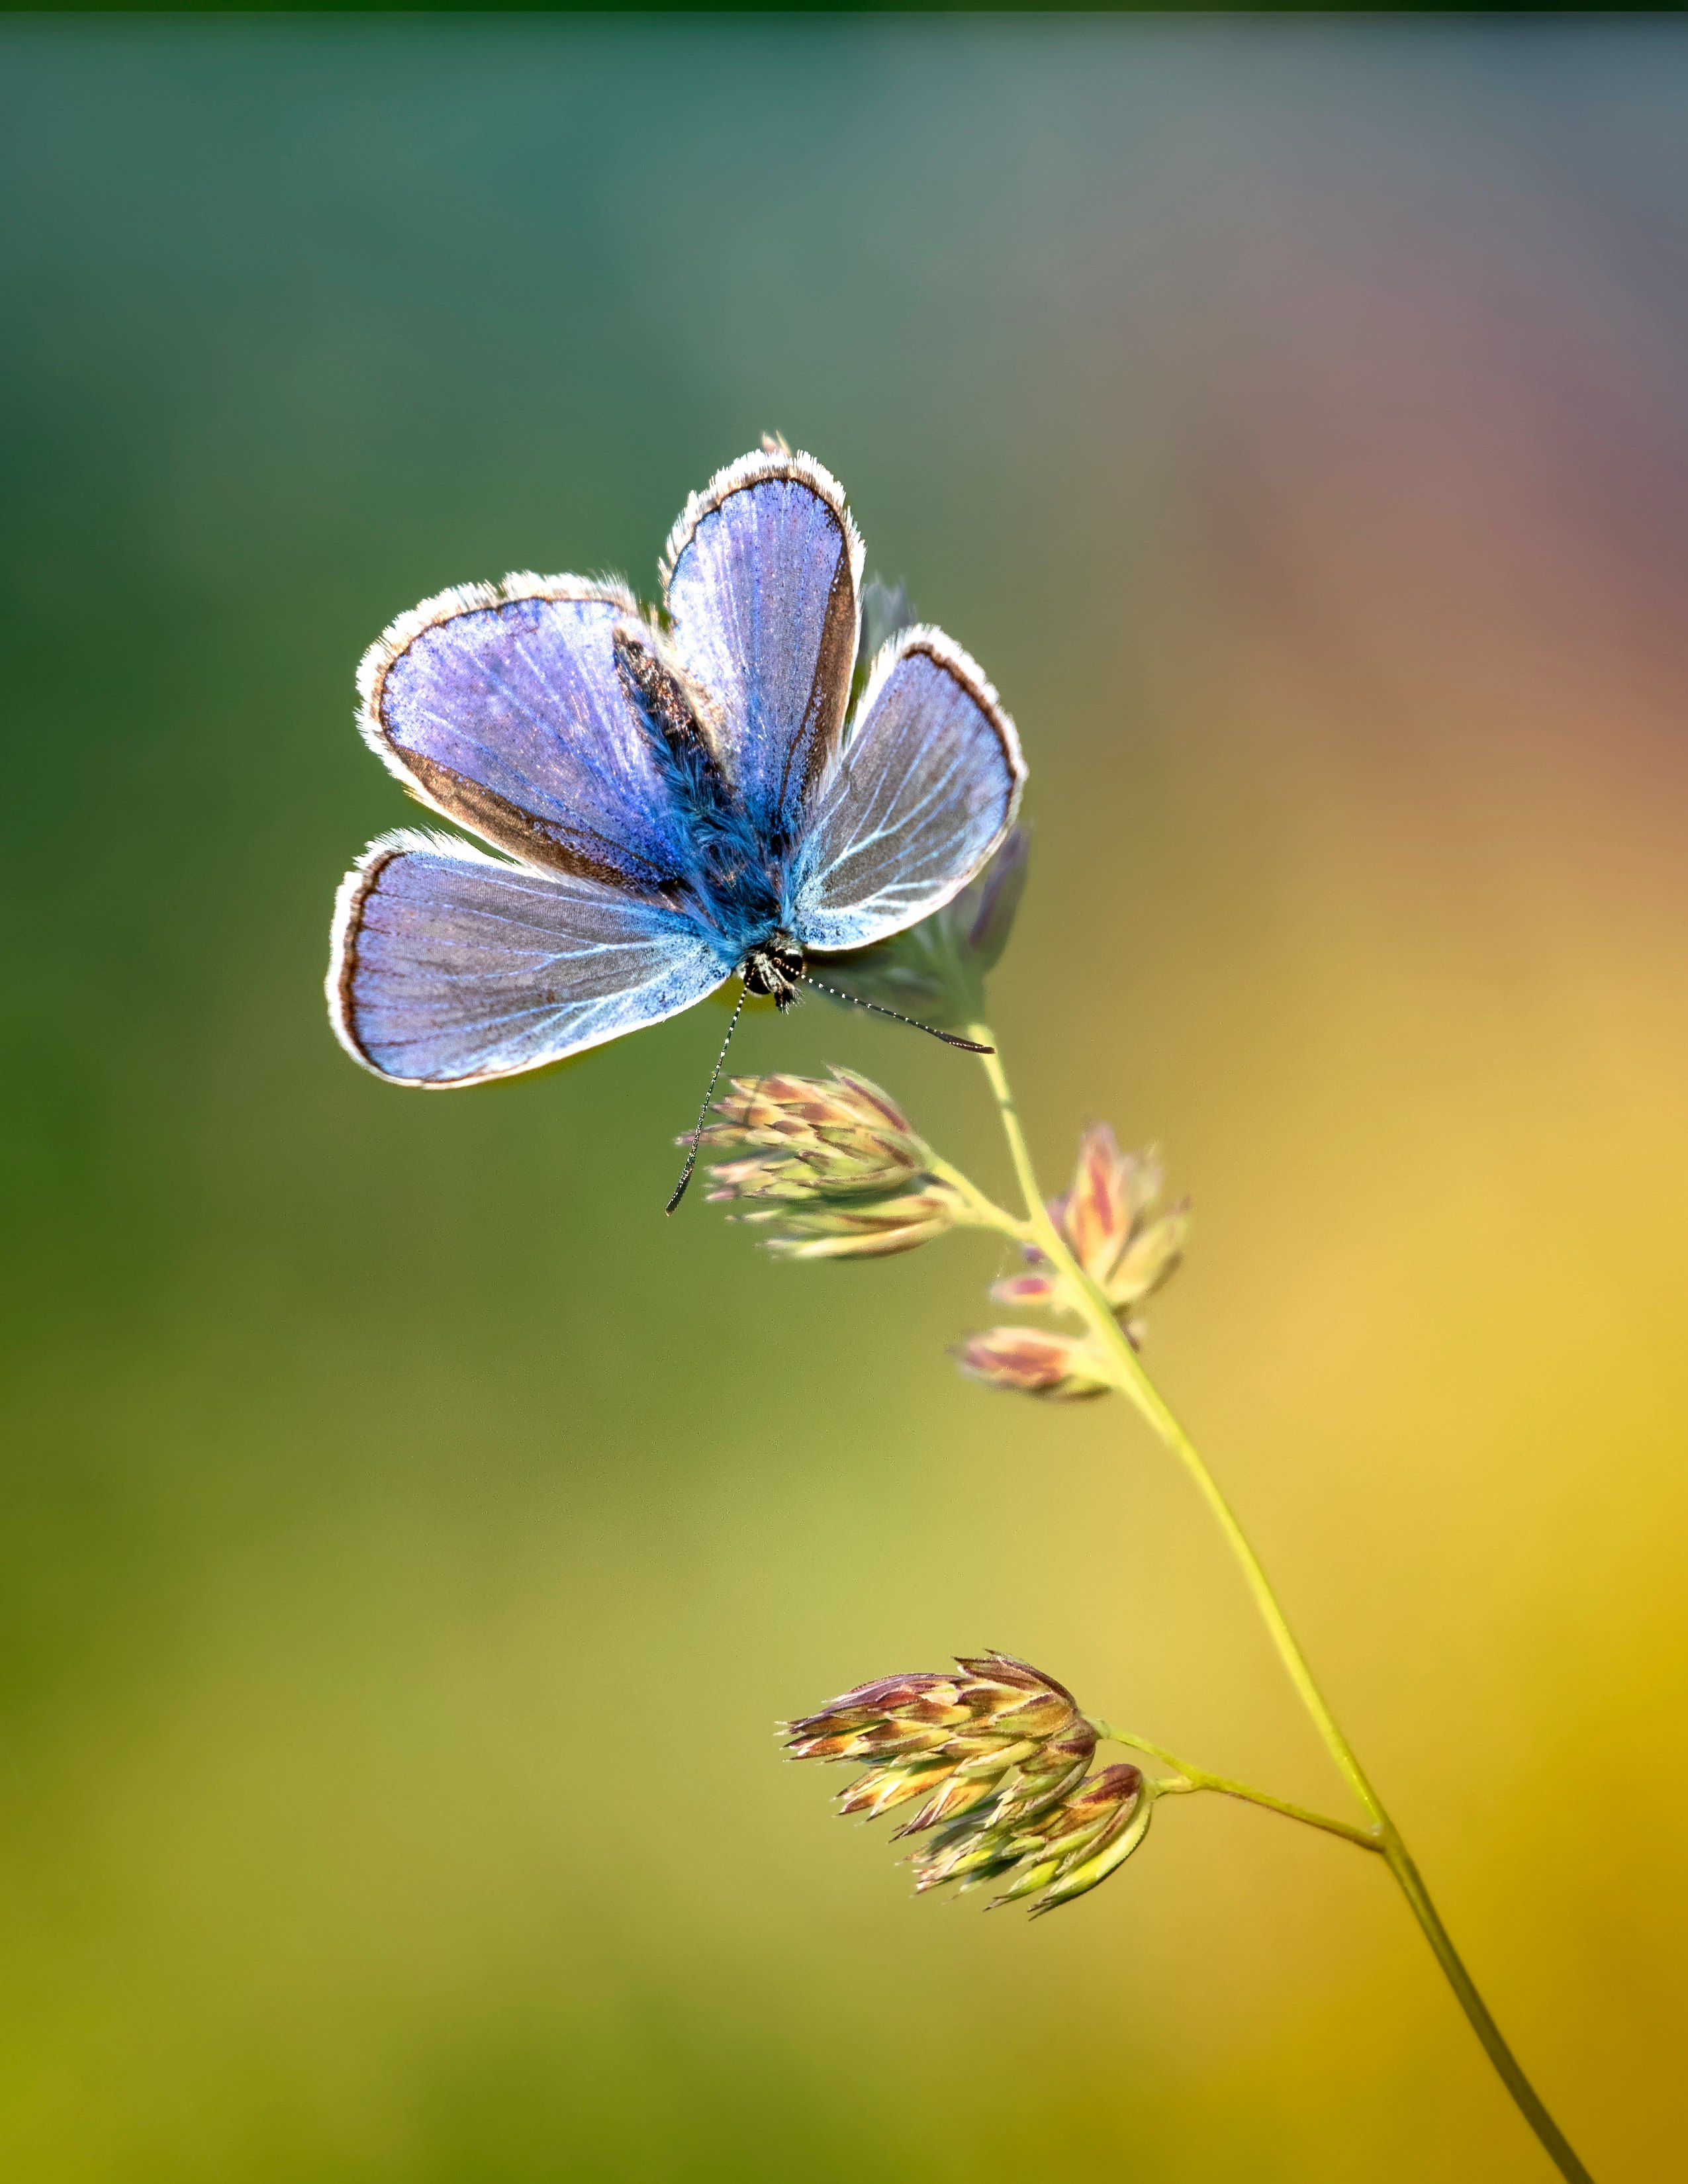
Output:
(665, 802)
(736, 881)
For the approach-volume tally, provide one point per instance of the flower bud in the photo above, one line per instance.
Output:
(1033, 1361)
(834, 1169)
(952, 1741)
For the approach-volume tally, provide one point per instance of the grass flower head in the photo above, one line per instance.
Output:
(831, 1168)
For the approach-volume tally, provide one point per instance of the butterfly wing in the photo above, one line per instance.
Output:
(762, 582)
(502, 708)
(451, 968)
(922, 792)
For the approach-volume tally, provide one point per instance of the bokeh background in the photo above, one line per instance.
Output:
(409, 1538)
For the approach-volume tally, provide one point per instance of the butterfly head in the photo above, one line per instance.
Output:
(774, 967)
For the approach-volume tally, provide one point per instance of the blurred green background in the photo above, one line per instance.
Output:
(409, 1538)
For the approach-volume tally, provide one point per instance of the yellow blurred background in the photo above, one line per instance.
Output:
(410, 1538)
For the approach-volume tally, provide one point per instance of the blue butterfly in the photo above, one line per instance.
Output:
(674, 799)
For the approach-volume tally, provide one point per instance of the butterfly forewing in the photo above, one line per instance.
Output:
(922, 794)
(764, 575)
(504, 709)
(450, 968)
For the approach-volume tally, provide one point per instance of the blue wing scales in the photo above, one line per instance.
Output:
(450, 968)
(502, 708)
(763, 582)
(923, 791)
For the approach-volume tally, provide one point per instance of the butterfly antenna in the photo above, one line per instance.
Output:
(948, 1038)
(697, 1134)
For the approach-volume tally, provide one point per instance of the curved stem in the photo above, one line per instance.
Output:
(982, 1213)
(1133, 1381)
(1201, 1778)
(1557, 2146)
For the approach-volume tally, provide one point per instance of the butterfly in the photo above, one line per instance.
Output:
(664, 800)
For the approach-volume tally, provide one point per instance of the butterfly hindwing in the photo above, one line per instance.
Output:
(922, 792)
(450, 968)
(763, 586)
(503, 708)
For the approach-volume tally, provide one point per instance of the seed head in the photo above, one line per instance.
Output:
(1104, 1221)
(1034, 1361)
(833, 1167)
(953, 1741)
(1062, 1851)
(996, 1756)
(1108, 1224)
